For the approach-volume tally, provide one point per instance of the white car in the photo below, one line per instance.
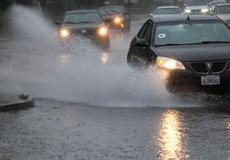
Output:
(196, 7)
(166, 10)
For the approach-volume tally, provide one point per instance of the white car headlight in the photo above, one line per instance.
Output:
(204, 10)
(169, 63)
(187, 11)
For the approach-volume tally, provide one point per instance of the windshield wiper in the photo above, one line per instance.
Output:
(208, 42)
(169, 44)
(69, 22)
(80, 22)
(203, 42)
(86, 22)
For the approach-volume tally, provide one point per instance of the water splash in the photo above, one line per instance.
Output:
(83, 74)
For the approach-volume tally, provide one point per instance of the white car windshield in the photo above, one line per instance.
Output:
(196, 2)
(191, 33)
(164, 11)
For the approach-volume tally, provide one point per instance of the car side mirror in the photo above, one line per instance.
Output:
(142, 43)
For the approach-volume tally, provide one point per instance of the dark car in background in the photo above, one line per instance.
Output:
(85, 23)
(212, 4)
(116, 16)
(182, 47)
(166, 10)
(223, 12)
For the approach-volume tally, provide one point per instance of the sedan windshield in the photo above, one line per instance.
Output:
(196, 3)
(111, 11)
(163, 11)
(215, 3)
(74, 18)
(191, 33)
(223, 9)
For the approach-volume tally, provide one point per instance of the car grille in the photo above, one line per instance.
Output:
(85, 32)
(218, 67)
(199, 67)
(196, 11)
(215, 67)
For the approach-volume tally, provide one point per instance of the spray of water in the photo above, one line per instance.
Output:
(83, 74)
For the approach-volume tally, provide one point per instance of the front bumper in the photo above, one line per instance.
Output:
(96, 39)
(196, 12)
(189, 79)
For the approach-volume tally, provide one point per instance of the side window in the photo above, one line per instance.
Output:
(148, 32)
(216, 10)
(141, 33)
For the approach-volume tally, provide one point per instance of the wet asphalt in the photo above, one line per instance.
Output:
(60, 130)
(69, 131)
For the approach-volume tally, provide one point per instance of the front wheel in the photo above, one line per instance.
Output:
(106, 44)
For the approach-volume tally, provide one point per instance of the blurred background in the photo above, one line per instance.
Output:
(54, 9)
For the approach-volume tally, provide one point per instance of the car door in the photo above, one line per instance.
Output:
(140, 51)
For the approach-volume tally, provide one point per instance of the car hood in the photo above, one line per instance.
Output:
(224, 16)
(81, 26)
(196, 7)
(205, 52)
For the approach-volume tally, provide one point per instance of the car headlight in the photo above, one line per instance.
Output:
(64, 33)
(117, 20)
(169, 63)
(187, 11)
(204, 10)
(103, 31)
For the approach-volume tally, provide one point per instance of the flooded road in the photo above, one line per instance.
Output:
(89, 105)
(59, 130)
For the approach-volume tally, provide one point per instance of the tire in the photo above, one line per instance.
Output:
(106, 44)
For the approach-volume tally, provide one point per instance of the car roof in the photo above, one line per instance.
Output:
(226, 4)
(81, 11)
(165, 7)
(182, 18)
(218, 1)
(112, 6)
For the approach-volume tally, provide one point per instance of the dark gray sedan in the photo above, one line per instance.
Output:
(85, 23)
(193, 49)
(223, 12)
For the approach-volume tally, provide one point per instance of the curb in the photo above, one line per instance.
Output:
(17, 105)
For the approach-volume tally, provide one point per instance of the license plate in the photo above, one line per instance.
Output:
(210, 80)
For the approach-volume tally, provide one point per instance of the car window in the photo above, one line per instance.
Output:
(215, 3)
(187, 33)
(163, 11)
(83, 18)
(141, 34)
(223, 9)
(148, 32)
(111, 10)
(196, 2)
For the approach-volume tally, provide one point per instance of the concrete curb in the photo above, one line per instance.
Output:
(24, 104)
